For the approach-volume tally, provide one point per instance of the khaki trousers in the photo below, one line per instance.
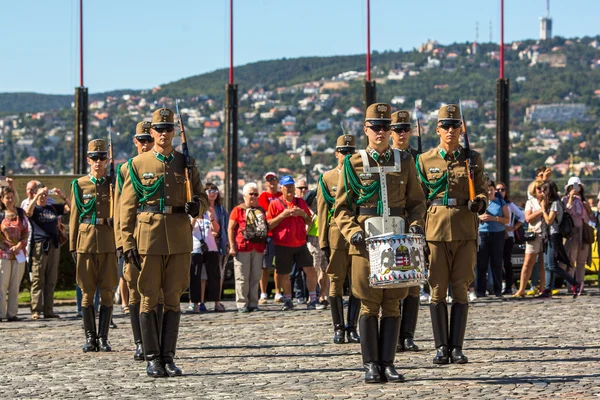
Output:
(340, 264)
(451, 263)
(247, 266)
(11, 274)
(97, 271)
(171, 273)
(44, 273)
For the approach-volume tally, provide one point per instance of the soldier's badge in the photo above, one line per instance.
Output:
(88, 196)
(147, 175)
(381, 108)
(164, 113)
(451, 109)
(365, 176)
(334, 188)
(434, 170)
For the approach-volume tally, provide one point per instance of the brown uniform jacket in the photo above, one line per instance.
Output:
(84, 237)
(446, 224)
(156, 233)
(404, 190)
(329, 233)
(117, 205)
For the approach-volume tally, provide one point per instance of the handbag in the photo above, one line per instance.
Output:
(529, 236)
(587, 234)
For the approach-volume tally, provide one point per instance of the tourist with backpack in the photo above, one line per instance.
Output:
(552, 214)
(247, 234)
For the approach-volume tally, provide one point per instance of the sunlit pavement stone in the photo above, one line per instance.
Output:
(534, 349)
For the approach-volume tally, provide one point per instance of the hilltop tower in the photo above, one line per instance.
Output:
(546, 24)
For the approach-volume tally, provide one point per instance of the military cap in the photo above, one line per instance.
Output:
(142, 130)
(163, 118)
(97, 146)
(379, 114)
(401, 117)
(449, 112)
(345, 141)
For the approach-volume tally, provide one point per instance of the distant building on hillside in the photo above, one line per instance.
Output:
(554, 112)
(546, 24)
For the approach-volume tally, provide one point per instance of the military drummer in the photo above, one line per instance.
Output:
(451, 231)
(92, 243)
(334, 244)
(401, 132)
(353, 206)
(157, 237)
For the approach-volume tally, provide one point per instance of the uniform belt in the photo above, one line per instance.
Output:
(165, 210)
(394, 211)
(99, 221)
(451, 202)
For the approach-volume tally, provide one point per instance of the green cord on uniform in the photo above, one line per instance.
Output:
(84, 208)
(434, 187)
(328, 198)
(144, 193)
(364, 192)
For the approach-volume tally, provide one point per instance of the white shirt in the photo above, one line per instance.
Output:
(534, 206)
(202, 231)
(514, 209)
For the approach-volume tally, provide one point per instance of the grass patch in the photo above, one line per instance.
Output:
(25, 297)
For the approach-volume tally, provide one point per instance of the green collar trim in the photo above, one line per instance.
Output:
(164, 159)
(97, 181)
(386, 155)
(443, 153)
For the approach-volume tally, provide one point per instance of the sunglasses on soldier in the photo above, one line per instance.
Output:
(144, 140)
(402, 129)
(96, 157)
(379, 128)
(447, 125)
(164, 130)
(345, 151)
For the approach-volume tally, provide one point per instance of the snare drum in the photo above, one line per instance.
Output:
(397, 261)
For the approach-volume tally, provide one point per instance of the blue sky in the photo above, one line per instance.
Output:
(138, 44)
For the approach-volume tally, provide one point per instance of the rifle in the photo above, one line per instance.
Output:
(469, 161)
(186, 154)
(111, 177)
(419, 143)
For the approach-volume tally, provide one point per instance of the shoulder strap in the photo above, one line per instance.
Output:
(2, 214)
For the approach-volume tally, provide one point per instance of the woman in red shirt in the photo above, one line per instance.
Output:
(13, 240)
(247, 246)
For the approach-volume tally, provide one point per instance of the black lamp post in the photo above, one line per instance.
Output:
(305, 159)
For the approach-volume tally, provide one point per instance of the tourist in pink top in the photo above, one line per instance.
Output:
(13, 240)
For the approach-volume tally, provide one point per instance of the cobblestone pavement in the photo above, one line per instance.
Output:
(517, 349)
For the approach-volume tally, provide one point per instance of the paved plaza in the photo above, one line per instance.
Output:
(518, 349)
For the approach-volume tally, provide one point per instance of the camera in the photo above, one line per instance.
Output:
(575, 186)
(51, 192)
(203, 246)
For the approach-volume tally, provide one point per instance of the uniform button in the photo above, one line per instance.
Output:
(167, 185)
(168, 197)
(98, 212)
(449, 168)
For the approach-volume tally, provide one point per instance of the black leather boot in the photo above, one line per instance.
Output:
(134, 316)
(337, 315)
(439, 322)
(408, 324)
(389, 327)
(89, 326)
(149, 326)
(159, 319)
(458, 326)
(353, 310)
(369, 347)
(103, 327)
(170, 331)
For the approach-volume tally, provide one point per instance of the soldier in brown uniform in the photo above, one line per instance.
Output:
(401, 132)
(157, 237)
(92, 243)
(335, 246)
(362, 200)
(143, 142)
(451, 231)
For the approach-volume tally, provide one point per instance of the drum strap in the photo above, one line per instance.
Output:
(382, 171)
